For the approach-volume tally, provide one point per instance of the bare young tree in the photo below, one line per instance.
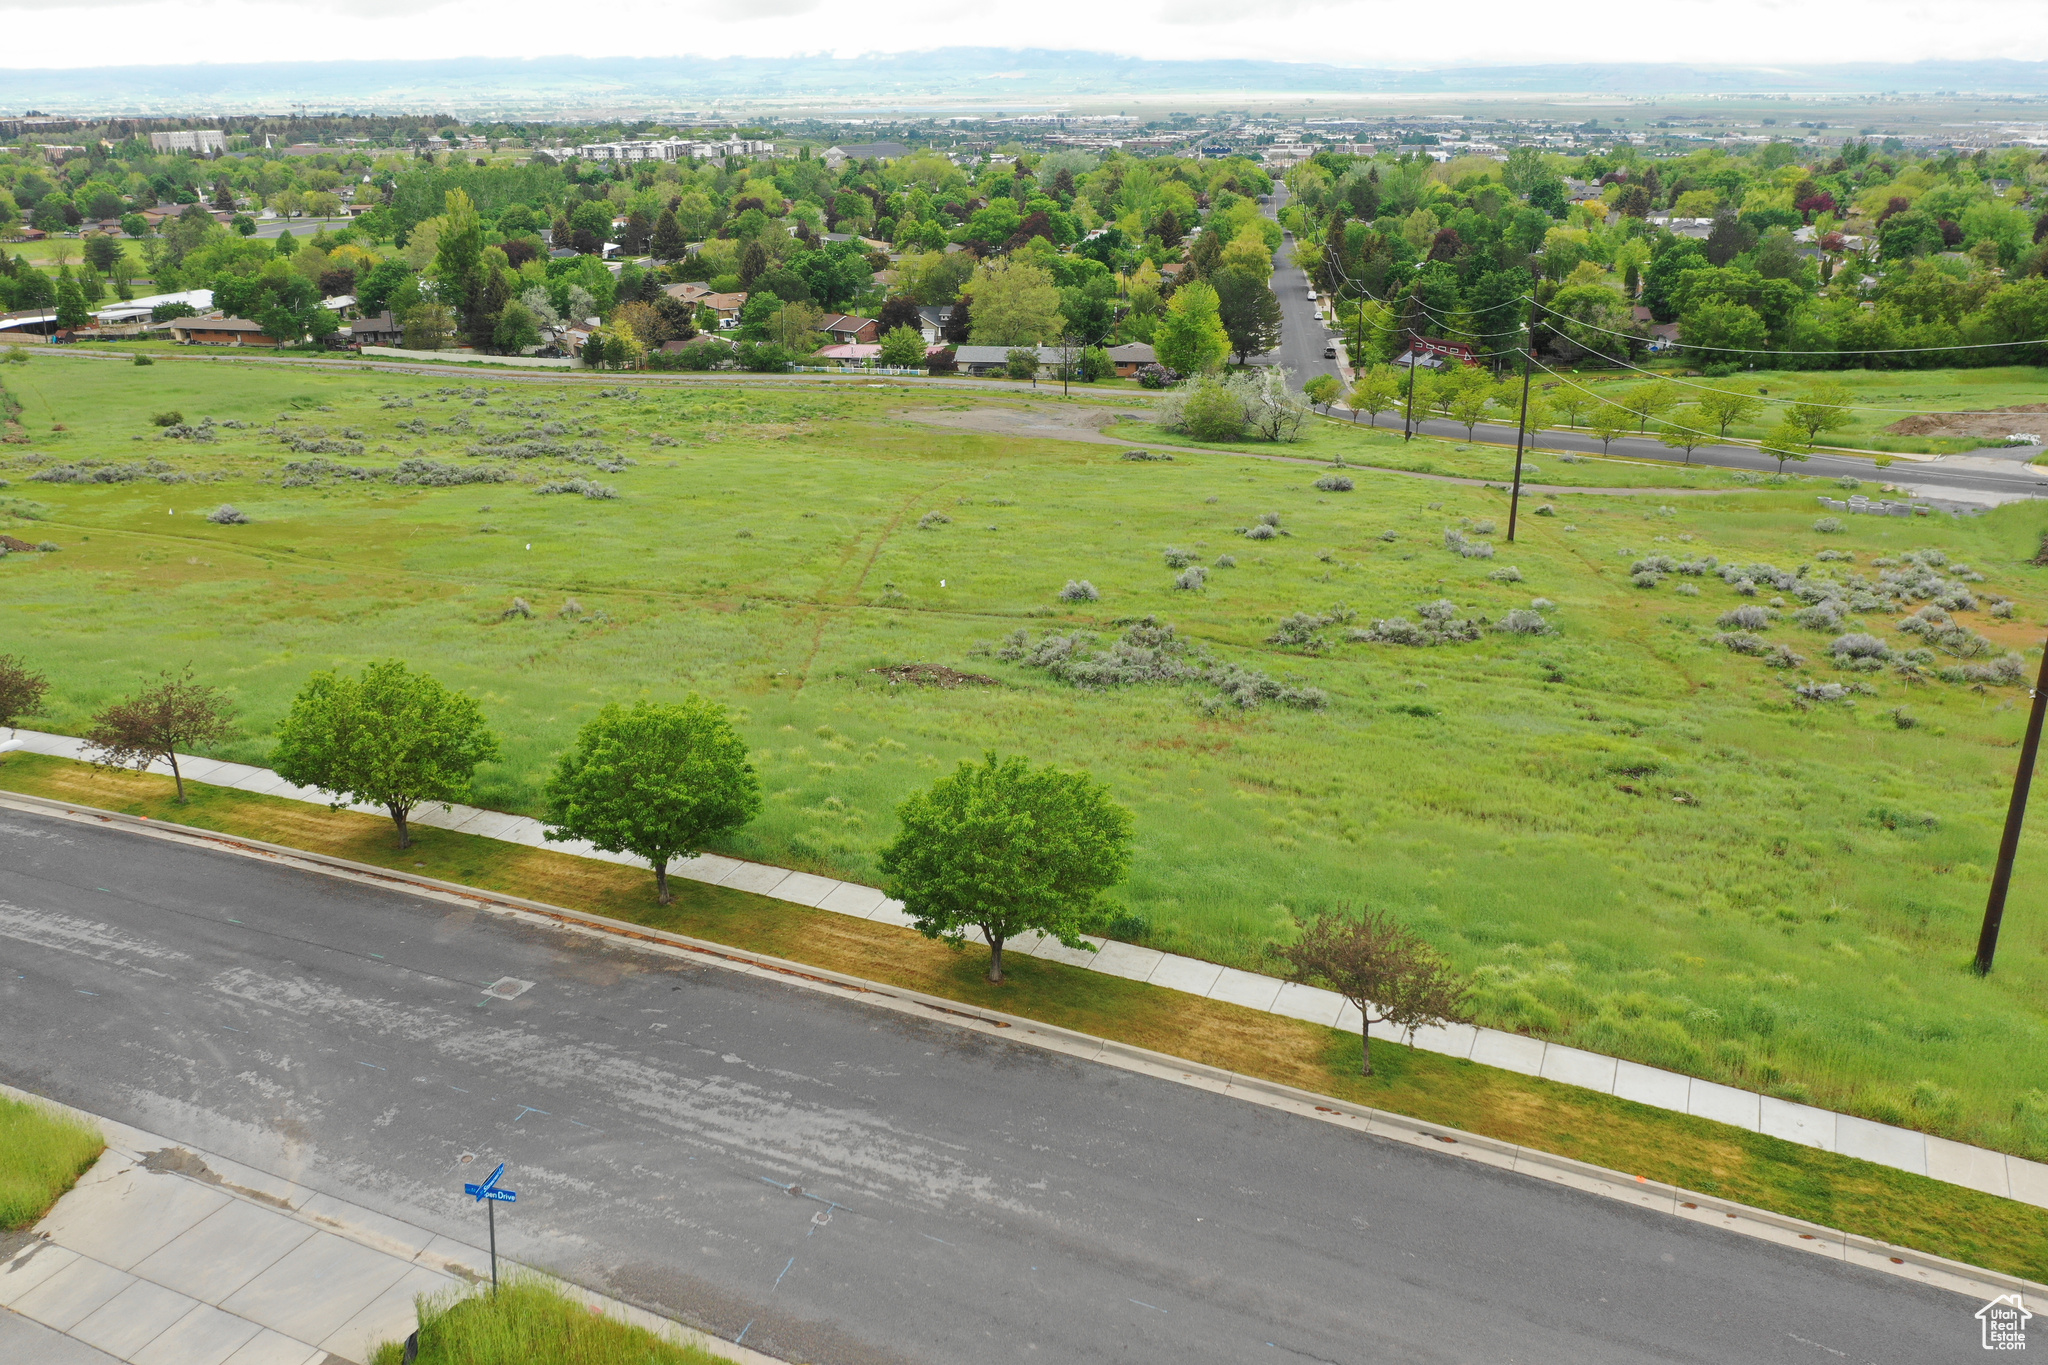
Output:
(1388, 973)
(158, 721)
(21, 690)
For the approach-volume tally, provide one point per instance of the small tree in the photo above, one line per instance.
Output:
(1007, 848)
(657, 781)
(1684, 434)
(1469, 407)
(21, 690)
(1323, 389)
(1725, 407)
(1021, 362)
(158, 721)
(1652, 399)
(903, 348)
(1788, 442)
(391, 738)
(1378, 390)
(1824, 409)
(1608, 422)
(1387, 973)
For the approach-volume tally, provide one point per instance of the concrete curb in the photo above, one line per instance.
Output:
(382, 1232)
(1977, 1168)
(1782, 1229)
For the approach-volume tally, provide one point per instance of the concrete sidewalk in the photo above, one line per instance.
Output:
(1905, 1149)
(165, 1256)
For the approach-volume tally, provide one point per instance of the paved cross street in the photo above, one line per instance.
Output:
(837, 1182)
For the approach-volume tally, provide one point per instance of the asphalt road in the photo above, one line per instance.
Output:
(962, 1199)
(1302, 335)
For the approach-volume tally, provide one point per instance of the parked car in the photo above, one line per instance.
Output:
(1329, 352)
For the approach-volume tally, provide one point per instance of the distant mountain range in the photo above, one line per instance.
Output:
(973, 77)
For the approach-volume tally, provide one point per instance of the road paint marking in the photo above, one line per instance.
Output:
(943, 1242)
(230, 1028)
(1142, 1304)
(378, 956)
(373, 1064)
(785, 1271)
(743, 1332)
(526, 1109)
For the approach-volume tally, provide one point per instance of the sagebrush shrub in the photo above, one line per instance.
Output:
(1180, 559)
(1509, 574)
(1334, 483)
(1522, 621)
(1260, 531)
(1191, 578)
(1226, 561)
(933, 518)
(1744, 618)
(1079, 590)
(226, 515)
(1829, 526)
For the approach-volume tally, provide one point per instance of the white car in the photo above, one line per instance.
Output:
(1311, 296)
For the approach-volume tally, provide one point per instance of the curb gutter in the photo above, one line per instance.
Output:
(1781, 1229)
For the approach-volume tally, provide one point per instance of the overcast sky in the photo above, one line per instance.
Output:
(1368, 32)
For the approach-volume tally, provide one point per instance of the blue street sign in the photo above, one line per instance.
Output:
(489, 1189)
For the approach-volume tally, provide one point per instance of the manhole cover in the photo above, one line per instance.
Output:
(508, 987)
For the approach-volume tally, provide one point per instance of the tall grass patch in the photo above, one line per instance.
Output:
(42, 1154)
(529, 1322)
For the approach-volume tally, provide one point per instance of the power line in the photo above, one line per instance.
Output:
(1754, 350)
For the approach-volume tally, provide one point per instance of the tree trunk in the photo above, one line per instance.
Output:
(661, 882)
(1365, 1043)
(995, 957)
(176, 776)
(398, 814)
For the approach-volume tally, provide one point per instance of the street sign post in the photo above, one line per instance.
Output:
(490, 1196)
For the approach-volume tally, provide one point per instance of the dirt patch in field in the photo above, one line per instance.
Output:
(933, 675)
(1058, 424)
(1986, 424)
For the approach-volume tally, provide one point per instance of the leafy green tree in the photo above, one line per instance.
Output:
(1016, 303)
(1725, 407)
(1721, 327)
(903, 348)
(157, 722)
(1687, 431)
(427, 326)
(459, 261)
(135, 225)
(1387, 973)
(1823, 408)
(1021, 362)
(657, 781)
(1190, 336)
(1787, 441)
(1647, 400)
(71, 307)
(1324, 389)
(392, 738)
(1007, 848)
(517, 328)
(1469, 404)
(1249, 311)
(1095, 364)
(1377, 390)
(668, 242)
(1608, 422)
(102, 253)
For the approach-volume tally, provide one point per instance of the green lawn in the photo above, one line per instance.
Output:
(529, 1322)
(42, 1154)
(1638, 841)
(1906, 391)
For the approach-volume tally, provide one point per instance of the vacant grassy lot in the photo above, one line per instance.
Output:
(1640, 841)
(42, 1154)
(1881, 397)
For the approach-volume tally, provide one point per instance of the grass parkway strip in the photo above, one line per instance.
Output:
(1686, 1152)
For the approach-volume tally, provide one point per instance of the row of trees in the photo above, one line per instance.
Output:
(1004, 847)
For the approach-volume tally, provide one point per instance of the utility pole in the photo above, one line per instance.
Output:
(1414, 356)
(1522, 427)
(2015, 815)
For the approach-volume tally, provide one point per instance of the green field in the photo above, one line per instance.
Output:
(1639, 841)
(1881, 397)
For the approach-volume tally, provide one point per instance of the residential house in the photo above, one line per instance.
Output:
(689, 291)
(847, 331)
(932, 321)
(380, 330)
(1132, 357)
(863, 354)
(28, 322)
(994, 359)
(215, 330)
(726, 306)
